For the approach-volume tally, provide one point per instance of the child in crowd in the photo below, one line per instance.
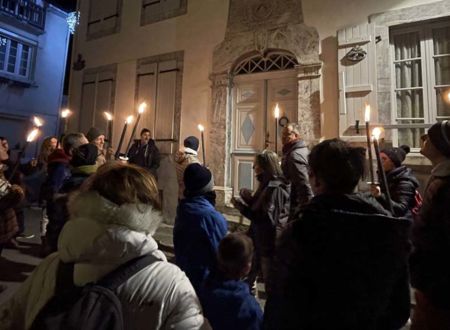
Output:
(225, 297)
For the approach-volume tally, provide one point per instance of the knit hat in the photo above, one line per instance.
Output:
(191, 142)
(93, 133)
(439, 135)
(85, 154)
(198, 180)
(397, 155)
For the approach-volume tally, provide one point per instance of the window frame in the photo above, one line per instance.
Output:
(429, 86)
(4, 72)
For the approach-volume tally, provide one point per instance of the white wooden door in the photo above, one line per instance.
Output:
(254, 100)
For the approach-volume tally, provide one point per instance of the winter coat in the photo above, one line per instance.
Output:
(10, 197)
(295, 169)
(58, 212)
(58, 170)
(196, 235)
(182, 160)
(146, 155)
(430, 260)
(99, 237)
(341, 265)
(402, 187)
(268, 211)
(228, 304)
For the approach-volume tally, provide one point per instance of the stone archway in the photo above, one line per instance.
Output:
(258, 26)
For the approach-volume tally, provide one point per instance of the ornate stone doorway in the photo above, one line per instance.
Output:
(260, 82)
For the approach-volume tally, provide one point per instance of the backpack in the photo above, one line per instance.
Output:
(94, 306)
(418, 200)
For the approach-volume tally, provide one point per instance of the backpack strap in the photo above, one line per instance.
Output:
(122, 273)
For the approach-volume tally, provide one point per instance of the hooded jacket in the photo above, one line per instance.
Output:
(295, 169)
(196, 235)
(402, 187)
(341, 265)
(99, 237)
(182, 159)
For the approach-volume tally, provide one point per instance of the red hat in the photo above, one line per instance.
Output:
(58, 156)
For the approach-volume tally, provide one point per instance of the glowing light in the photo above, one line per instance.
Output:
(277, 111)
(367, 113)
(38, 122)
(73, 19)
(129, 120)
(142, 107)
(108, 115)
(376, 133)
(65, 113)
(200, 127)
(32, 135)
(448, 96)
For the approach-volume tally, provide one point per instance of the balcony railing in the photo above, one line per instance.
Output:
(25, 10)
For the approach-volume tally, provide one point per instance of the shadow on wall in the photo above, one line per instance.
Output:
(329, 89)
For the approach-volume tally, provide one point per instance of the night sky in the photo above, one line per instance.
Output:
(67, 5)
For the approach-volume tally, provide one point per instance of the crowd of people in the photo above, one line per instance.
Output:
(330, 256)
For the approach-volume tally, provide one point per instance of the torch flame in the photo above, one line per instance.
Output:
(129, 119)
(38, 122)
(367, 113)
(142, 107)
(66, 113)
(32, 135)
(376, 133)
(448, 96)
(200, 127)
(277, 111)
(108, 115)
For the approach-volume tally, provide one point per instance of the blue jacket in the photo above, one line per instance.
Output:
(196, 235)
(228, 304)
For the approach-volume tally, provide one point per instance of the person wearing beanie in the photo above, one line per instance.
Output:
(145, 153)
(429, 262)
(199, 227)
(97, 138)
(83, 165)
(187, 155)
(402, 184)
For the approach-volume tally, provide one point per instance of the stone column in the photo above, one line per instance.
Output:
(219, 141)
(309, 100)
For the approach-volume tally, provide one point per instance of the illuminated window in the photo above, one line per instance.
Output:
(421, 75)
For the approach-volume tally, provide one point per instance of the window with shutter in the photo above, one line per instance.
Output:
(420, 57)
(158, 10)
(159, 85)
(103, 17)
(357, 78)
(97, 96)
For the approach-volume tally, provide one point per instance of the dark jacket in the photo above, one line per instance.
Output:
(402, 187)
(341, 265)
(58, 212)
(268, 211)
(146, 155)
(228, 304)
(295, 169)
(8, 221)
(196, 235)
(430, 260)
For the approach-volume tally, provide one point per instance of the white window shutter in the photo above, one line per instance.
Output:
(103, 102)
(171, 5)
(357, 79)
(87, 105)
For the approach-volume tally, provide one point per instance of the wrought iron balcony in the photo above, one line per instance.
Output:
(25, 11)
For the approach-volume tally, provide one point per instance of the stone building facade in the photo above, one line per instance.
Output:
(227, 63)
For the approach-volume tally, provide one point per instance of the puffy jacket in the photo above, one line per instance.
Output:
(196, 235)
(182, 160)
(402, 187)
(341, 265)
(228, 304)
(430, 260)
(99, 237)
(295, 169)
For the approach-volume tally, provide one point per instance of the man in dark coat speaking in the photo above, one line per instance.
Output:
(145, 153)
